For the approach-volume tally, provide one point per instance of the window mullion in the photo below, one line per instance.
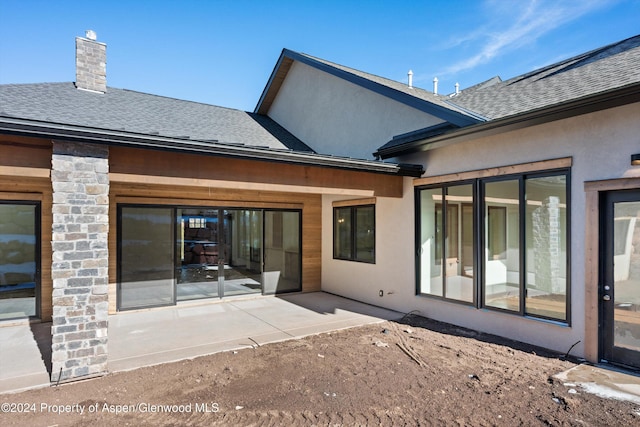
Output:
(354, 233)
(443, 242)
(522, 211)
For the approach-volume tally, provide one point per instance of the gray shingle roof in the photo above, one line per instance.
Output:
(136, 112)
(610, 67)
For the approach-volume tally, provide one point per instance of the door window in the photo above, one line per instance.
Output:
(620, 304)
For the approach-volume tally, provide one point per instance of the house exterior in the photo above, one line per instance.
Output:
(509, 207)
(115, 200)
(523, 224)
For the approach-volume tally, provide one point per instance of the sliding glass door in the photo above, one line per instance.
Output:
(146, 270)
(282, 260)
(176, 254)
(200, 251)
(242, 231)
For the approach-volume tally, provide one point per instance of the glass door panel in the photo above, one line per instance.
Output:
(146, 257)
(282, 252)
(242, 237)
(18, 260)
(199, 253)
(621, 292)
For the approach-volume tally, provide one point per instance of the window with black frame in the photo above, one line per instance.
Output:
(354, 237)
(445, 230)
(521, 246)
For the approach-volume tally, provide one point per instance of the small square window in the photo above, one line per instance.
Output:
(354, 233)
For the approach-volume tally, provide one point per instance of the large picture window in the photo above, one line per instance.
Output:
(517, 259)
(354, 236)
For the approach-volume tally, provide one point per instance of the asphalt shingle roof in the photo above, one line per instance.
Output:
(136, 112)
(610, 67)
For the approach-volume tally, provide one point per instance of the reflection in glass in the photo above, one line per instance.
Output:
(18, 251)
(365, 234)
(459, 243)
(626, 263)
(430, 267)
(546, 237)
(342, 238)
(242, 242)
(199, 251)
(146, 257)
(502, 263)
(282, 252)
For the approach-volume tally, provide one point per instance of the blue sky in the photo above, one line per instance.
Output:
(222, 52)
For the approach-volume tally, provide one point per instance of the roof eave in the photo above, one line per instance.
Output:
(609, 99)
(38, 129)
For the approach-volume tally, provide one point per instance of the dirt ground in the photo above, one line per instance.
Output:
(414, 372)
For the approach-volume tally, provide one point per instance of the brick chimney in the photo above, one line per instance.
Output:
(91, 63)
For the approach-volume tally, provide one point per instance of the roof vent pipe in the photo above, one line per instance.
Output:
(435, 85)
(457, 88)
(410, 74)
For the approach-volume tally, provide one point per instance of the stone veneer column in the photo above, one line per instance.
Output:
(80, 182)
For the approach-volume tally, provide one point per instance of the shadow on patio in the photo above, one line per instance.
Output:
(168, 334)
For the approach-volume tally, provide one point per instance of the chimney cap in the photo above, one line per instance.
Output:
(91, 35)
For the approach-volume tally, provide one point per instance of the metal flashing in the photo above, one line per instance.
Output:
(32, 128)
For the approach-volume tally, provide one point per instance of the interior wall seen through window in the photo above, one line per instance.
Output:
(515, 237)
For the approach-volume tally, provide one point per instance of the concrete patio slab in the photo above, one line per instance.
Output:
(605, 382)
(160, 335)
(168, 334)
(25, 356)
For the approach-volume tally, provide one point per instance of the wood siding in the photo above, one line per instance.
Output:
(191, 169)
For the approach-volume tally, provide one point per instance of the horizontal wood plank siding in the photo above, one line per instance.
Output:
(197, 170)
(356, 202)
(561, 163)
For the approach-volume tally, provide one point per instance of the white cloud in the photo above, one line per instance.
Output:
(512, 25)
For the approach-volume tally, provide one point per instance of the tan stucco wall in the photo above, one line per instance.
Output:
(336, 117)
(600, 144)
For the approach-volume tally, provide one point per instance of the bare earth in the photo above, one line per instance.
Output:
(418, 372)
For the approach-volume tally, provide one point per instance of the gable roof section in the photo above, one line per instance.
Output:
(602, 78)
(417, 98)
(141, 113)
